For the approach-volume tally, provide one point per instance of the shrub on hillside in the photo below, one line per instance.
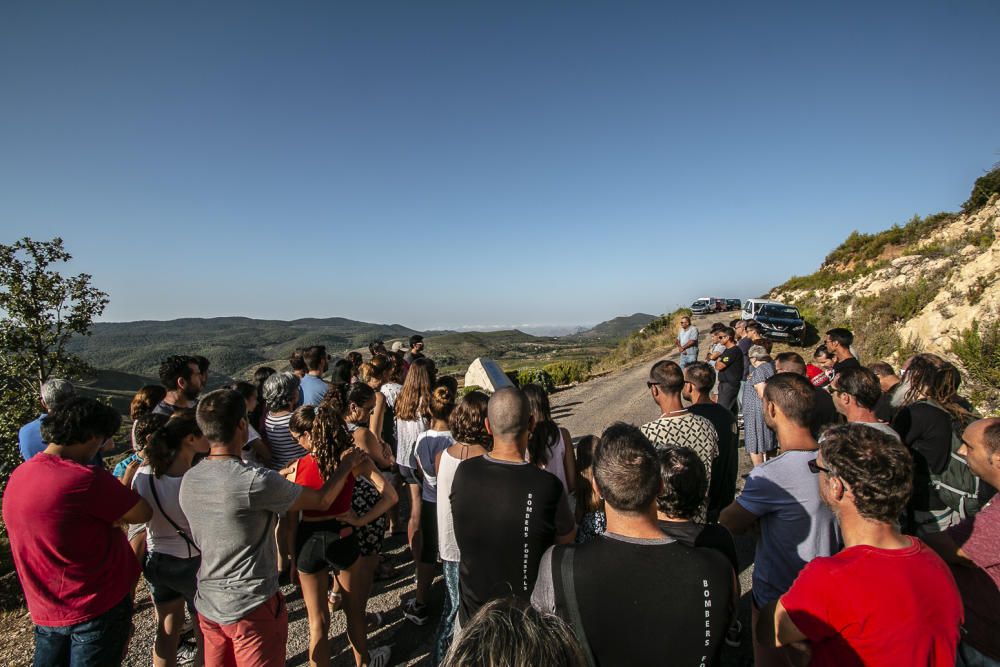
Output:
(657, 336)
(567, 372)
(978, 351)
(875, 319)
(536, 376)
(985, 187)
(859, 248)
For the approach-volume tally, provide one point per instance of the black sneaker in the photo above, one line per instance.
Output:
(415, 612)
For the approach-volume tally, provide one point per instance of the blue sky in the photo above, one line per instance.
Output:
(467, 163)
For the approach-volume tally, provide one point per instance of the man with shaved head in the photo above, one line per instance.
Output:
(506, 511)
(972, 548)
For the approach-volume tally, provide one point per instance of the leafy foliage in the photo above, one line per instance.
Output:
(42, 311)
(985, 187)
(861, 248)
(567, 372)
(978, 351)
(875, 319)
(536, 376)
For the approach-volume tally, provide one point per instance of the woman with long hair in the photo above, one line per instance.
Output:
(928, 415)
(590, 515)
(328, 538)
(172, 559)
(413, 413)
(467, 425)
(550, 446)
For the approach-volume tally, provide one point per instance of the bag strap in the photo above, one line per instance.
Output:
(562, 570)
(180, 531)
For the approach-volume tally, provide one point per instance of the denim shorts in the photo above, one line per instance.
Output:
(170, 578)
(98, 642)
(320, 545)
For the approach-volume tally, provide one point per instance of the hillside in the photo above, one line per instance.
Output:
(233, 344)
(617, 328)
(931, 285)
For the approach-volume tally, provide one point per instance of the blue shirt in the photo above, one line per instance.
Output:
(119, 470)
(313, 389)
(29, 440)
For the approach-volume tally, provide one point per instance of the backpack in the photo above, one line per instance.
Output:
(956, 485)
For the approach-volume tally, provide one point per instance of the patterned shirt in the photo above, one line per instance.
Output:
(693, 432)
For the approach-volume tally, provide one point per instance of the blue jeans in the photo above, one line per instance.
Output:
(99, 642)
(446, 628)
(970, 657)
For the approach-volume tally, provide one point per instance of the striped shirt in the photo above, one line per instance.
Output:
(284, 448)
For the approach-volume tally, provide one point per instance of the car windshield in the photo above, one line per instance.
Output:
(700, 302)
(784, 312)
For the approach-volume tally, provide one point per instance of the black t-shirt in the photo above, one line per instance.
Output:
(649, 602)
(710, 536)
(926, 431)
(841, 366)
(824, 413)
(722, 488)
(732, 358)
(505, 515)
(883, 406)
(745, 344)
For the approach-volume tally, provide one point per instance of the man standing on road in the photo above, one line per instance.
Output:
(781, 495)
(824, 412)
(505, 510)
(677, 425)
(838, 343)
(682, 592)
(182, 378)
(699, 378)
(886, 599)
(687, 342)
(855, 393)
(972, 548)
(730, 367)
(312, 386)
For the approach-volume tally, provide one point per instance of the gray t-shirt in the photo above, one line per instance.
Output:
(795, 525)
(232, 508)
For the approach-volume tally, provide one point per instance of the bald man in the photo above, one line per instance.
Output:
(972, 549)
(506, 511)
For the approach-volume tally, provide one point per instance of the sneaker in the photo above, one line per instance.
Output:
(186, 654)
(415, 612)
(379, 657)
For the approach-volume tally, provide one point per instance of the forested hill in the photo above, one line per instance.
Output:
(618, 327)
(231, 343)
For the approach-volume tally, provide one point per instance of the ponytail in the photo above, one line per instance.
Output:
(166, 442)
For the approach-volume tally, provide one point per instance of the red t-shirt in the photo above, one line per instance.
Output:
(74, 564)
(873, 607)
(307, 474)
(979, 538)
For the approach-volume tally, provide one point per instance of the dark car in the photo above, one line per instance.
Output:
(733, 304)
(781, 322)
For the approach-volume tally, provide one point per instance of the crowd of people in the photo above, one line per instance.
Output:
(871, 496)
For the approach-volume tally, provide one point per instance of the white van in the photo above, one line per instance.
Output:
(752, 306)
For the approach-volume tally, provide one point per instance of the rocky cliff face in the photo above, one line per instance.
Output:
(927, 292)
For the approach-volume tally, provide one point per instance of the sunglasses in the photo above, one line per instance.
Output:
(816, 468)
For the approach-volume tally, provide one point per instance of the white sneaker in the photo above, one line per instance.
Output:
(186, 654)
(379, 657)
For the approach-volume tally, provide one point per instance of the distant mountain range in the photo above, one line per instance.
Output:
(236, 345)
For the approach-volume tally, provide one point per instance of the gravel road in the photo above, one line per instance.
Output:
(586, 408)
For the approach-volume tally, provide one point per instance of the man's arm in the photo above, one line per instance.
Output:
(737, 519)
(312, 499)
(141, 512)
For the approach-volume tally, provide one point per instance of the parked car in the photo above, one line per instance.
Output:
(733, 304)
(781, 322)
(752, 306)
(708, 304)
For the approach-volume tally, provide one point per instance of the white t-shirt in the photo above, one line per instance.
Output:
(685, 336)
(162, 537)
(447, 544)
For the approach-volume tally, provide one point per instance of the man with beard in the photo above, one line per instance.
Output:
(182, 378)
(886, 599)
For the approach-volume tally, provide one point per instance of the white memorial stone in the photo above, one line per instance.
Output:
(487, 374)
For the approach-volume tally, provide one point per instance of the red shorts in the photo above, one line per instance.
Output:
(256, 640)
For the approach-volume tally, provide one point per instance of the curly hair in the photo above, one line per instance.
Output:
(328, 433)
(145, 400)
(176, 367)
(931, 378)
(877, 467)
(144, 426)
(685, 483)
(166, 441)
(467, 422)
(79, 419)
(281, 391)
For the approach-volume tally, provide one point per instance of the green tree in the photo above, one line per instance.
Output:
(40, 311)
